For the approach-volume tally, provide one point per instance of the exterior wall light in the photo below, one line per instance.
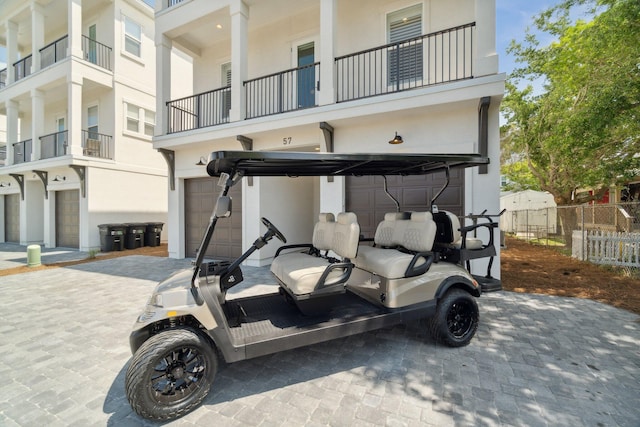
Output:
(59, 178)
(396, 139)
(202, 161)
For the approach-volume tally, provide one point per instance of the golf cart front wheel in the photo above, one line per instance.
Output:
(170, 374)
(456, 319)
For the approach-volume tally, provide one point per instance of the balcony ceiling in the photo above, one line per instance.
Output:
(199, 34)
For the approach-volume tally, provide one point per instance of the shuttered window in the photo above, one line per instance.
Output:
(405, 58)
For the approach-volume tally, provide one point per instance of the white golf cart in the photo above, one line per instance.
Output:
(339, 284)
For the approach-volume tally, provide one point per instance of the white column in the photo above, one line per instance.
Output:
(484, 43)
(327, 51)
(12, 128)
(37, 122)
(37, 35)
(49, 232)
(74, 114)
(163, 82)
(74, 24)
(239, 58)
(12, 49)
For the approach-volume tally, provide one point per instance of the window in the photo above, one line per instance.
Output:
(405, 58)
(92, 122)
(132, 37)
(133, 117)
(136, 117)
(149, 122)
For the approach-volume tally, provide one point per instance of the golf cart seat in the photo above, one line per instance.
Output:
(454, 244)
(402, 246)
(308, 277)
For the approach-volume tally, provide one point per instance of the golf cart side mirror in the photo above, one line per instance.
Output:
(223, 207)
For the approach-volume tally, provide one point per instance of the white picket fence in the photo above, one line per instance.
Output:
(612, 248)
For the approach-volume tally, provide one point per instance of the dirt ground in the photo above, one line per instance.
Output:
(536, 269)
(526, 268)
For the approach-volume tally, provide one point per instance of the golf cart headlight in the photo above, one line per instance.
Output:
(156, 300)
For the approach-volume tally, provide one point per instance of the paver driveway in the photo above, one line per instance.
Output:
(536, 360)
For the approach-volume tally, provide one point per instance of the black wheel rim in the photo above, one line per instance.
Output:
(178, 375)
(460, 318)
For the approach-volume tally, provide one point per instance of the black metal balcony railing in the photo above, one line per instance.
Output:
(54, 144)
(54, 52)
(3, 153)
(3, 78)
(22, 151)
(288, 90)
(95, 144)
(173, 2)
(96, 53)
(198, 111)
(22, 68)
(438, 57)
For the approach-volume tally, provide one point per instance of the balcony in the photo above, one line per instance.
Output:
(54, 144)
(288, 90)
(170, 3)
(441, 57)
(3, 78)
(22, 68)
(95, 144)
(22, 151)
(198, 111)
(54, 52)
(96, 53)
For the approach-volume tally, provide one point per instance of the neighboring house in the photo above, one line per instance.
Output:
(528, 211)
(322, 75)
(78, 94)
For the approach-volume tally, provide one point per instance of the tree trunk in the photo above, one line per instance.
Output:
(568, 222)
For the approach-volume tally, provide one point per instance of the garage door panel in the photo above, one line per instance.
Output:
(68, 218)
(412, 192)
(200, 199)
(12, 218)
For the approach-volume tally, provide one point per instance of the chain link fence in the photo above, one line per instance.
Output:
(602, 234)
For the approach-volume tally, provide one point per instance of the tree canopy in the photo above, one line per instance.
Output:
(583, 130)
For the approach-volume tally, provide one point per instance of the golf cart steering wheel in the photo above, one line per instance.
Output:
(272, 228)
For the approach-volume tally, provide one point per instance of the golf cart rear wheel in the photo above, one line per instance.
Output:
(456, 319)
(170, 374)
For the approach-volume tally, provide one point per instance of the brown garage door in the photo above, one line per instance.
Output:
(366, 197)
(12, 218)
(200, 198)
(68, 219)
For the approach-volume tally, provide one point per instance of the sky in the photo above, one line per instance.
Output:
(512, 18)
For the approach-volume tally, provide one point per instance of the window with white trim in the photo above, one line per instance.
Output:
(139, 120)
(405, 58)
(132, 37)
(149, 122)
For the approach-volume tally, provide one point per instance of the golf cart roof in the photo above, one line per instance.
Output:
(288, 163)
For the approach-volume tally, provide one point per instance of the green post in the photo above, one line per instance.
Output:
(33, 255)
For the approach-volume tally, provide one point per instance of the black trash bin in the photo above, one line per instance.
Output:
(134, 237)
(152, 234)
(111, 237)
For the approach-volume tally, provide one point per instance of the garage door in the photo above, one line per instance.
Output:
(366, 197)
(200, 198)
(68, 219)
(12, 218)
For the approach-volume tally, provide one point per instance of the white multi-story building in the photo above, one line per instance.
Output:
(322, 75)
(78, 96)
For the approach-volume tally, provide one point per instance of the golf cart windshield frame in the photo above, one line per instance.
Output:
(231, 166)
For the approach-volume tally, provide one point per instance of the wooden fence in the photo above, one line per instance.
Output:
(612, 248)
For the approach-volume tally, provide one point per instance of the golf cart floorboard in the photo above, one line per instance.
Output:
(263, 323)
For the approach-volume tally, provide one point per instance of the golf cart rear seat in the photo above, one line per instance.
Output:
(306, 276)
(452, 241)
(402, 246)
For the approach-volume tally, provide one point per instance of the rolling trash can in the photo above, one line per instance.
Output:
(134, 237)
(111, 237)
(152, 234)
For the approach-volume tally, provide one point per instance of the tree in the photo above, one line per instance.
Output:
(583, 131)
